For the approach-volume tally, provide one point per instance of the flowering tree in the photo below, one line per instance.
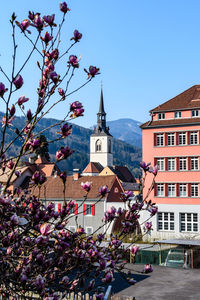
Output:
(38, 255)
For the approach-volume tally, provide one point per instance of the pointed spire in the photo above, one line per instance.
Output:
(101, 105)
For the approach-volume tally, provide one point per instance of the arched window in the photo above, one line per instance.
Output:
(109, 146)
(98, 146)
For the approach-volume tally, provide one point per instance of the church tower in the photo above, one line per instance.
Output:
(101, 141)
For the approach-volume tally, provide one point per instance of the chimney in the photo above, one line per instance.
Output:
(76, 174)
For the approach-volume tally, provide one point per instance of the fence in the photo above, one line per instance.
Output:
(63, 296)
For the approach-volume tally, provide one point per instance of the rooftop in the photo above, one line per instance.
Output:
(186, 100)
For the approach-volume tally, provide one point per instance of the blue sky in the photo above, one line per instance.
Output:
(148, 51)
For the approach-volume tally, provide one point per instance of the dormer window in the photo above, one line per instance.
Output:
(161, 116)
(195, 113)
(177, 114)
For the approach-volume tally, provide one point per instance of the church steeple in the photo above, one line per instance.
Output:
(101, 115)
(101, 140)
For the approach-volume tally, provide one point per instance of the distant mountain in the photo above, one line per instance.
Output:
(127, 130)
(124, 153)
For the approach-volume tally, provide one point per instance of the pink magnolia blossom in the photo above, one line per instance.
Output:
(45, 229)
(134, 249)
(77, 36)
(2, 89)
(22, 100)
(93, 71)
(64, 8)
(103, 190)
(18, 81)
(86, 186)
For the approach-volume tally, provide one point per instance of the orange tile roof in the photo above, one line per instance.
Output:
(53, 187)
(93, 167)
(186, 100)
(4, 175)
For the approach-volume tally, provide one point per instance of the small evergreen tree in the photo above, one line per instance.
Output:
(43, 150)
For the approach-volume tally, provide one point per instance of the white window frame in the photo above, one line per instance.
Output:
(182, 163)
(188, 222)
(160, 190)
(194, 190)
(165, 221)
(160, 139)
(194, 113)
(182, 138)
(160, 163)
(161, 116)
(90, 228)
(193, 138)
(170, 139)
(171, 164)
(171, 190)
(182, 190)
(177, 114)
(194, 163)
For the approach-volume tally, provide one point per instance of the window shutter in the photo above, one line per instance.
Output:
(177, 190)
(93, 209)
(166, 190)
(155, 189)
(84, 209)
(155, 161)
(59, 207)
(155, 144)
(177, 138)
(189, 163)
(177, 164)
(165, 139)
(189, 189)
(166, 164)
(76, 209)
(188, 138)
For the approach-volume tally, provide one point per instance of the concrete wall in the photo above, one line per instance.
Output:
(157, 234)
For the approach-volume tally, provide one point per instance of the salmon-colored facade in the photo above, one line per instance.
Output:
(171, 140)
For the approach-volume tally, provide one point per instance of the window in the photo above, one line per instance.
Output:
(88, 209)
(160, 164)
(182, 163)
(195, 113)
(160, 189)
(171, 190)
(182, 190)
(165, 221)
(188, 222)
(194, 163)
(160, 139)
(72, 229)
(193, 138)
(182, 138)
(89, 230)
(194, 190)
(98, 146)
(170, 139)
(177, 114)
(161, 116)
(171, 164)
